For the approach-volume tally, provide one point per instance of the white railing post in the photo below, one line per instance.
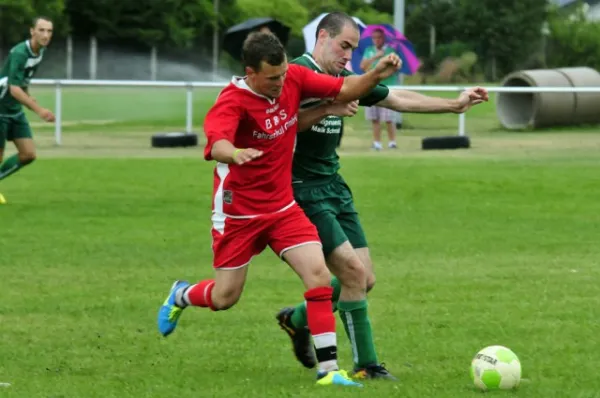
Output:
(461, 121)
(58, 114)
(461, 124)
(189, 107)
(190, 86)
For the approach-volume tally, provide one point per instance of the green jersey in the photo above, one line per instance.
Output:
(315, 156)
(18, 69)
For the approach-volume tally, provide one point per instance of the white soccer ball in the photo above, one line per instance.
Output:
(496, 368)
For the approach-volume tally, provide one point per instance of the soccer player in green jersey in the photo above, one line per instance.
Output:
(327, 200)
(15, 75)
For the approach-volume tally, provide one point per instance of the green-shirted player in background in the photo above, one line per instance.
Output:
(327, 200)
(15, 75)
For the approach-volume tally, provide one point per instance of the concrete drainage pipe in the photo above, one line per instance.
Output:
(536, 110)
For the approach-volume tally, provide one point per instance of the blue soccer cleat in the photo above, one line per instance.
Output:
(169, 312)
(336, 377)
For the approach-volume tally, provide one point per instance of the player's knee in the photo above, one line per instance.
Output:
(370, 281)
(27, 157)
(352, 274)
(318, 277)
(223, 299)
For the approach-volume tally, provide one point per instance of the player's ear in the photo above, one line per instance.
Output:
(249, 71)
(322, 34)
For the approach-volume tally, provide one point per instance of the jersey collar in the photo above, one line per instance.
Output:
(314, 62)
(240, 82)
(28, 45)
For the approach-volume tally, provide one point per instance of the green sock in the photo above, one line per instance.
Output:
(9, 166)
(358, 329)
(299, 319)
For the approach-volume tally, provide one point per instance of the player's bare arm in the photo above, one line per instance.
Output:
(355, 87)
(20, 95)
(311, 116)
(413, 102)
(224, 151)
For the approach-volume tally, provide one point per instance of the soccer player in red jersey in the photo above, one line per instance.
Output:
(251, 132)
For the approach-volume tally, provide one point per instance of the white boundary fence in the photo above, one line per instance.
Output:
(190, 86)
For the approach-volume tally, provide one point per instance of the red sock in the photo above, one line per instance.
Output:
(321, 323)
(200, 294)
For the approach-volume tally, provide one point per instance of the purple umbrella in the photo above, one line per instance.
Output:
(394, 39)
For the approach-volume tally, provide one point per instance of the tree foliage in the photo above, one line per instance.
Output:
(507, 31)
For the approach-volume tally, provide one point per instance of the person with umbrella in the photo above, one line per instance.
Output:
(378, 114)
(327, 200)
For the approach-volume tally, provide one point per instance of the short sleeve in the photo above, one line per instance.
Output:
(16, 70)
(377, 94)
(316, 85)
(222, 121)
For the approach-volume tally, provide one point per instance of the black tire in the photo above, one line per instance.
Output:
(449, 142)
(173, 140)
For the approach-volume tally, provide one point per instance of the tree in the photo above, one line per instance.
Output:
(149, 22)
(16, 17)
(289, 12)
(505, 32)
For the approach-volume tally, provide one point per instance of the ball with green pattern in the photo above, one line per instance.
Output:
(496, 368)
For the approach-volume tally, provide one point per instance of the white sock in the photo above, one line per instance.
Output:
(327, 344)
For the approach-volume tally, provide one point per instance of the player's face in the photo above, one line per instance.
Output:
(41, 33)
(378, 39)
(338, 50)
(269, 79)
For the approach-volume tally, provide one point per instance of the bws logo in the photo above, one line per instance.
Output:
(279, 131)
(275, 120)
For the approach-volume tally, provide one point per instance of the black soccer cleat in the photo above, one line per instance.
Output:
(301, 341)
(373, 372)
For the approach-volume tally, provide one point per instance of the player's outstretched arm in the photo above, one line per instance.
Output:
(311, 116)
(413, 102)
(355, 87)
(224, 151)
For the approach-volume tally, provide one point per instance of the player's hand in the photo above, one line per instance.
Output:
(342, 109)
(471, 97)
(388, 65)
(46, 115)
(244, 155)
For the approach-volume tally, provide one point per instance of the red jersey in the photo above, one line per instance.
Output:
(250, 120)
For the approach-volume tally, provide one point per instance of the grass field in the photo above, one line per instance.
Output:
(497, 244)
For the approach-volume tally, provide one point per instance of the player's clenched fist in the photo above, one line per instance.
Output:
(388, 65)
(243, 155)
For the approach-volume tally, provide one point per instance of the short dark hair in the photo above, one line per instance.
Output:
(259, 47)
(35, 20)
(334, 22)
(379, 30)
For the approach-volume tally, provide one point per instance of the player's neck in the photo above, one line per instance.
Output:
(253, 88)
(35, 47)
(316, 56)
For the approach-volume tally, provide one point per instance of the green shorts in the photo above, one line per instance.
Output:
(14, 127)
(330, 207)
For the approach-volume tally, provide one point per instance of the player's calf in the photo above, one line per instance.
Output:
(26, 158)
(26, 150)
(309, 263)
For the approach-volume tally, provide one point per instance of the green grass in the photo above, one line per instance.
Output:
(493, 245)
(469, 252)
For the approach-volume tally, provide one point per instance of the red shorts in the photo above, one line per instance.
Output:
(243, 238)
